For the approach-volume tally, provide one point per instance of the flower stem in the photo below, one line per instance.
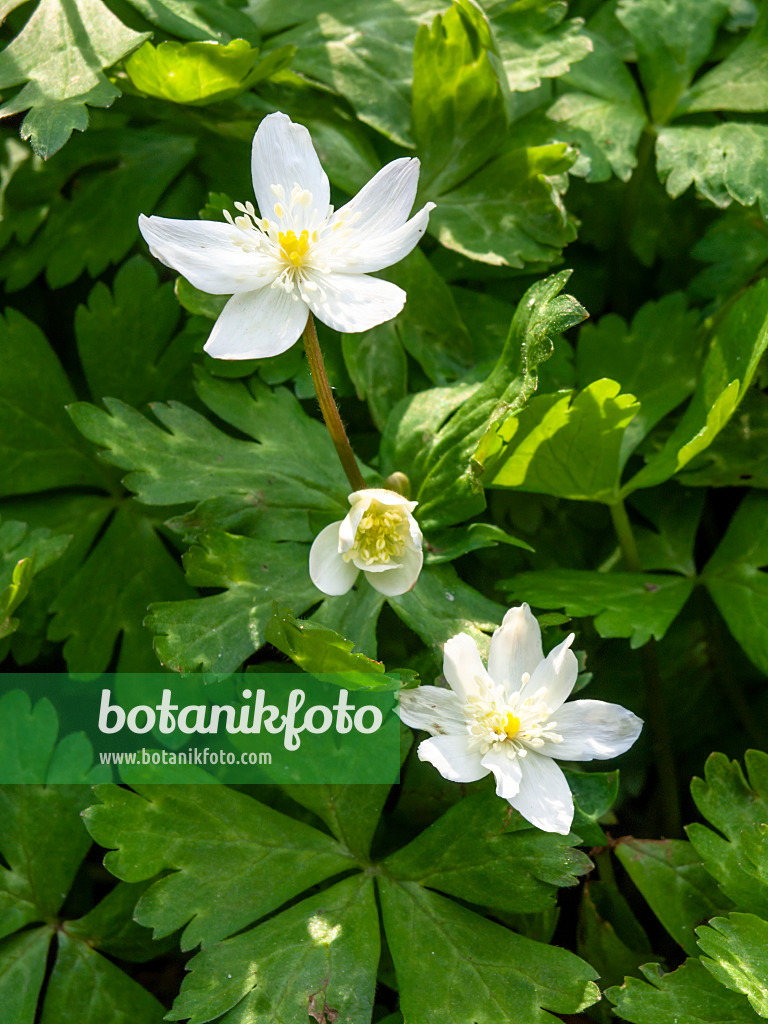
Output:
(654, 690)
(623, 528)
(329, 408)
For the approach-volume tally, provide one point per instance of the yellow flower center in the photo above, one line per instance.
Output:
(381, 536)
(511, 726)
(294, 249)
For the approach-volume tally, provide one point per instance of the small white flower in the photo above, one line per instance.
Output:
(511, 720)
(296, 254)
(379, 536)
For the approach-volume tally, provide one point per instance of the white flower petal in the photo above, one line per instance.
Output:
(383, 204)
(463, 668)
(592, 729)
(383, 496)
(544, 798)
(327, 569)
(206, 254)
(434, 709)
(556, 675)
(283, 156)
(352, 303)
(393, 582)
(507, 772)
(350, 523)
(515, 648)
(255, 325)
(452, 758)
(383, 250)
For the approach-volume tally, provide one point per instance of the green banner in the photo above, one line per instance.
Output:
(254, 728)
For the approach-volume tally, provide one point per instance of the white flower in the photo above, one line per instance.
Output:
(511, 720)
(297, 254)
(379, 536)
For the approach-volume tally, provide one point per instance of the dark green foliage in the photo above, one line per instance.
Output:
(592, 158)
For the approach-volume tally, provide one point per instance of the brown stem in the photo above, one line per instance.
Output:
(328, 407)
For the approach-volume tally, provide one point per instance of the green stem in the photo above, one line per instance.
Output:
(654, 690)
(623, 528)
(329, 408)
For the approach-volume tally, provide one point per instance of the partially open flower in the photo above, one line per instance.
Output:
(379, 537)
(512, 720)
(296, 254)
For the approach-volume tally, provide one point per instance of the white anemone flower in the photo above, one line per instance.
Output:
(379, 536)
(512, 720)
(297, 254)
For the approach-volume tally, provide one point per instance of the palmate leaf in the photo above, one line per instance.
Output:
(633, 605)
(738, 341)
(655, 358)
(565, 445)
(736, 579)
(23, 553)
(458, 118)
(609, 936)
(737, 807)
(95, 192)
(39, 449)
(128, 560)
(319, 955)
(534, 40)
(351, 812)
(361, 50)
(316, 648)
(725, 162)
(672, 878)
(442, 605)
(736, 247)
(243, 861)
(145, 360)
(60, 54)
(738, 457)
(43, 844)
(218, 633)
(453, 964)
(603, 117)
(291, 464)
(509, 213)
(107, 598)
(672, 40)
(690, 993)
(189, 20)
(483, 852)
(202, 72)
(454, 419)
(730, 975)
(430, 329)
(86, 987)
(605, 132)
(736, 955)
(266, 487)
(738, 82)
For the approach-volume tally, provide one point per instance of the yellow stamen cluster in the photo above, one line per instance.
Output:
(505, 722)
(511, 726)
(294, 249)
(381, 536)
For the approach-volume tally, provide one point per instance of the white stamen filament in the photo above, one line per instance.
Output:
(509, 724)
